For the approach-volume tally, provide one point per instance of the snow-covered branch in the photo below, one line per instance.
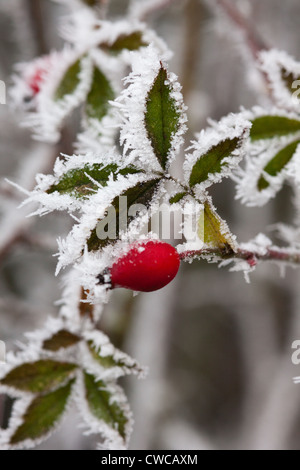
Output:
(288, 256)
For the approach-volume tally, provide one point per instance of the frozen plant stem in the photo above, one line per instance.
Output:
(275, 254)
(194, 12)
(252, 40)
(255, 43)
(35, 13)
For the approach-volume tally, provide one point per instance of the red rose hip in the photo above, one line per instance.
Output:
(148, 266)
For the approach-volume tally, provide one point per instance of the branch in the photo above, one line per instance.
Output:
(149, 7)
(275, 254)
(255, 43)
(35, 12)
(86, 309)
(194, 13)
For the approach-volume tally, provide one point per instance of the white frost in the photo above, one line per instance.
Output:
(230, 127)
(132, 106)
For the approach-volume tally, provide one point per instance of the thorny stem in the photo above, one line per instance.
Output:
(275, 254)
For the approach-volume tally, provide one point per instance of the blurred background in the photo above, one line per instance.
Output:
(218, 349)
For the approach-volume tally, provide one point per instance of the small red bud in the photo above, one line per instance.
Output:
(35, 81)
(148, 266)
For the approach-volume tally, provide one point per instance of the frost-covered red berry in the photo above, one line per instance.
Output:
(146, 267)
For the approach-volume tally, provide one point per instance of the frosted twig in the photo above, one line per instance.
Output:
(193, 23)
(36, 20)
(276, 254)
(254, 42)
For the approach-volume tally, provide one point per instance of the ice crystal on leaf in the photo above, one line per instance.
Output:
(272, 152)
(216, 152)
(46, 376)
(283, 73)
(152, 97)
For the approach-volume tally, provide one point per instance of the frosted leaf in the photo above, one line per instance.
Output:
(132, 104)
(53, 192)
(86, 32)
(214, 231)
(163, 118)
(100, 358)
(40, 376)
(176, 197)
(26, 430)
(104, 411)
(216, 152)
(93, 263)
(283, 72)
(268, 163)
(72, 248)
(53, 109)
(32, 352)
(108, 415)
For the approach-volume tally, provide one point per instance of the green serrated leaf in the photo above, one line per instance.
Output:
(105, 361)
(213, 161)
(101, 405)
(40, 376)
(277, 164)
(69, 82)
(97, 104)
(268, 127)
(108, 362)
(131, 42)
(61, 340)
(142, 193)
(162, 117)
(177, 198)
(77, 182)
(211, 230)
(42, 415)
